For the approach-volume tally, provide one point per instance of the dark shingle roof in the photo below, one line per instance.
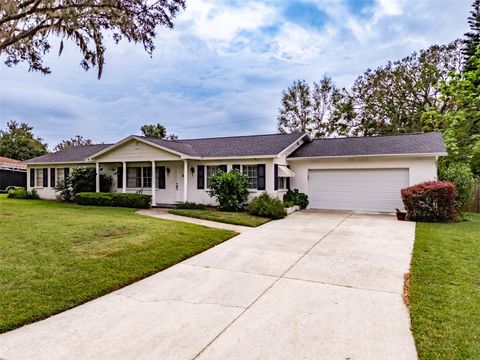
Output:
(428, 143)
(253, 145)
(72, 154)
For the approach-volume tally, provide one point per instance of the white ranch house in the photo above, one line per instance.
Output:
(364, 173)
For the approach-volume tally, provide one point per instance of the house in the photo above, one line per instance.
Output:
(12, 173)
(363, 173)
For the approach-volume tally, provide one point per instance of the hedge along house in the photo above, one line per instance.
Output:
(342, 173)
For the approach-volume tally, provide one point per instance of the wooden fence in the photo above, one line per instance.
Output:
(474, 204)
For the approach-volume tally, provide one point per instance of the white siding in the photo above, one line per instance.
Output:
(135, 150)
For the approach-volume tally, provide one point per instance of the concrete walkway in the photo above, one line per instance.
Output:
(316, 285)
(164, 214)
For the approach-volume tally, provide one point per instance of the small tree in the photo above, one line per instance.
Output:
(75, 141)
(462, 177)
(230, 189)
(82, 179)
(18, 142)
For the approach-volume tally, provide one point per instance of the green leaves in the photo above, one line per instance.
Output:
(18, 142)
(230, 189)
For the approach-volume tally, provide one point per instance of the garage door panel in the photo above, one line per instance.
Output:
(357, 189)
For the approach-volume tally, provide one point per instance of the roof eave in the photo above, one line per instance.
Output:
(138, 138)
(370, 155)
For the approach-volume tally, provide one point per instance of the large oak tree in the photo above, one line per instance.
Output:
(29, 27)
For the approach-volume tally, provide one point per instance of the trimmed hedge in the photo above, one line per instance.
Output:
(113, 199)
(431, 201)
(22, 193)
(192, 206)
(266, 206)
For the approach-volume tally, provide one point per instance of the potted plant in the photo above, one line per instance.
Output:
(401, 214)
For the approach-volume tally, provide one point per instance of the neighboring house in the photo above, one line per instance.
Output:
(12, 173)
(364, 173)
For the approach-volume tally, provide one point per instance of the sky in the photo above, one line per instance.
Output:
(222, 69)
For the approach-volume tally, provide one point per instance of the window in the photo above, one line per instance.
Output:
(147, 177)
(211, 169)
(282, 183)
(251, 172)
(60, 175)
(138, 177)
(38, 177)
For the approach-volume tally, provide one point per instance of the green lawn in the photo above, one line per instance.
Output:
(54, 256)
(445, 290)
(236, 218)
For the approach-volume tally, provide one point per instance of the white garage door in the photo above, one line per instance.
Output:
(363, 190)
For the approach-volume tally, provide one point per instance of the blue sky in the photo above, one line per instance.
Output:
(222, 70)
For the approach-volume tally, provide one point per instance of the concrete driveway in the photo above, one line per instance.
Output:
(316, 285)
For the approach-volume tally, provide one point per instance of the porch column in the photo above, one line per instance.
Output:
(185, 180)
(124, 177)
(97, 177)
(154, 182)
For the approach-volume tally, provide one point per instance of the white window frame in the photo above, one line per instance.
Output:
(134, 179)
(281, 183)
(212, 169)
(59, 175)
(252, 179)
(39, 184)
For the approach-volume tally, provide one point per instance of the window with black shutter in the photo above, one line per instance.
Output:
(261, 177)
(66, 171)
(275, 176)
(32, 177)
(160, 177)
(45, 177)
(288, 180)
(52, 177)
(223, 168)
(201, 177)
(236, 167)
(120, 177)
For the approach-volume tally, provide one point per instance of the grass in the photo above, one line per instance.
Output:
(445, 290)
(54, 256)
(236, 218)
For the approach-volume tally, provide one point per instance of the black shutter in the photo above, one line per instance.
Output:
(120, 177)
(201, 177)
(66, 171)
(223, 168)
(261, 177)
(275, 177)
(236, 167)
(161, 177)
(32, 177)
(52, 177)
(288, 180)
(45, 177)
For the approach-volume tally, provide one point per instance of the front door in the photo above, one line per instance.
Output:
(178, 184)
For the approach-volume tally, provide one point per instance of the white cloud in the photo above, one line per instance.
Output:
(219, 72)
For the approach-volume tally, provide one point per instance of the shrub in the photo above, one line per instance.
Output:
(22, 193)
(192, 205)
(230, 189)
(296, 197)
(65, 190)
(462, 177)
(431, 201)
(113, 199)
(266, 206)
(81, 179)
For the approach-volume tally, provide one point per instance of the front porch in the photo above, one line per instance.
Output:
(166, 181)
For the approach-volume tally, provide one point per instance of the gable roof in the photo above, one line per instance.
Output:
(68, 155)
(406, 144)
(235, 146)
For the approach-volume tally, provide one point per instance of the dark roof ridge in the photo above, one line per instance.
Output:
(377, 136)
(239, 136)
